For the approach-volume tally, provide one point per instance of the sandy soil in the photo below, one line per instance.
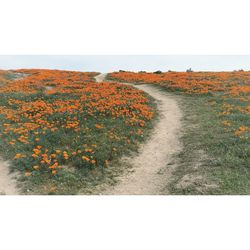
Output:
(153, 165)
(100, 78)
(7, 180)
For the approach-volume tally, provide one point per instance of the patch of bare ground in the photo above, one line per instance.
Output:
(8, 184)
(190, 177)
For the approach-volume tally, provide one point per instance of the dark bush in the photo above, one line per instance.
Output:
(158, 72)
(189, 70)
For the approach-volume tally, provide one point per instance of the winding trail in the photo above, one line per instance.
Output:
(152, 166)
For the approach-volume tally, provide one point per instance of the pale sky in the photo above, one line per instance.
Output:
(109, 63)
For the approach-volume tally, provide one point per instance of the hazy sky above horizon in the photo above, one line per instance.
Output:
(109, 63)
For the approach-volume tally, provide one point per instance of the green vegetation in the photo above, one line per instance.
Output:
(214, 160)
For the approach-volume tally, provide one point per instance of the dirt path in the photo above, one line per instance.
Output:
(153, 165)
(100, 78)
(7, 180)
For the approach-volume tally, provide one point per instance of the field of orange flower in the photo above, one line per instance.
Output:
(220, 102)
(53, 120)
(191, 82)
(233, 89)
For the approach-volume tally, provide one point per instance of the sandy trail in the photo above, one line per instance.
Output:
(7, 180)
(100, 77)
(152, 167)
